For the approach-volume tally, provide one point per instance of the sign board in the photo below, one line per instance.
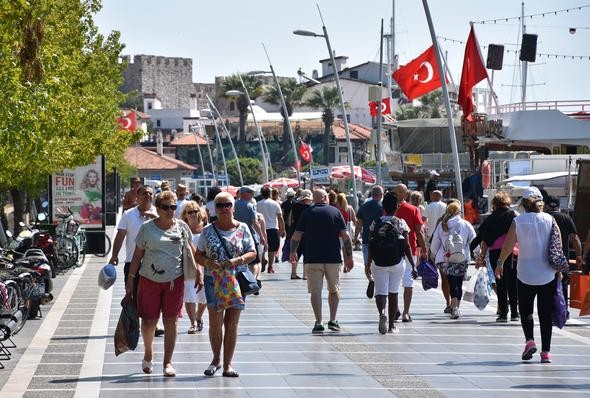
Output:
(82, 191)
(320, 173)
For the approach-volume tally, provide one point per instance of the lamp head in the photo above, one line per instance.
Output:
(300, 32)
(233, 93)
(258, 72)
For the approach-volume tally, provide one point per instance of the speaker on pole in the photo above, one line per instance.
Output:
(528, 49)
(495, 57)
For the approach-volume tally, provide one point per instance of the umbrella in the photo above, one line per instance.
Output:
(359, 173)
(231, 189)
(282, 182)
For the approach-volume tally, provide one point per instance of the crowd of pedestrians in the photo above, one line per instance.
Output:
(396, 230)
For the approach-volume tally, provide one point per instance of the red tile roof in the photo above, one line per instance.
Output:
(357, 131)
(144, 159)
(138, 114)
(188, 139)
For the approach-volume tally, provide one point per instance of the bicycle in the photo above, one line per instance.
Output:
(107, 246)
(66, 245)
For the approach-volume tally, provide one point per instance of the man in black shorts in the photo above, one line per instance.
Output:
(275, 225)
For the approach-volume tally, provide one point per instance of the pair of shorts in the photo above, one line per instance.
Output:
(315, 276)
(273, 239)
(155, 297)
(191, 295)
(407, 280)
(209, 289)
(387, 279)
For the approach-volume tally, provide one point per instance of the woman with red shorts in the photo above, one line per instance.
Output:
(158, 249)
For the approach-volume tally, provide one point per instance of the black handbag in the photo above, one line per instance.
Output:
(246, 279)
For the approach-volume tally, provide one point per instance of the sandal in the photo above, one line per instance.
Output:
(192, 329)
(408, 319)
(211, 370)
(169, 371)
(230, 373)
(147, 366)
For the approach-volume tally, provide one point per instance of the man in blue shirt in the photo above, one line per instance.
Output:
(367, 213)
(323, 227)
(245, 211)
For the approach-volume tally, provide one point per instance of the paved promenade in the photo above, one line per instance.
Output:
(69, 353)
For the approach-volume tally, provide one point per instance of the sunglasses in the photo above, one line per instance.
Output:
(224, 205)
(168, 207)
(191, 212)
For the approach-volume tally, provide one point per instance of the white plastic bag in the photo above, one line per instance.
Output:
(468, 292)
(481, 294)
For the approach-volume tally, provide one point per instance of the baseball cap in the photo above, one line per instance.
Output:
(552, 202)
(290, 192)
(107, 276)
(532, 192)
(246, 189)
(165, 184)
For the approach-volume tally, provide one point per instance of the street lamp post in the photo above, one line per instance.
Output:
(342, 106)
(260, 137)
(233, 148)
(206, 137)
(218, 144)
(194, 131)
(286, 115)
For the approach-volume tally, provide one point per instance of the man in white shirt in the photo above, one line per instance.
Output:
(181, 194)
(275, 225)
(434, 211)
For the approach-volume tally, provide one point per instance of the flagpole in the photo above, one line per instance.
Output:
(379, 110)
(443, 81)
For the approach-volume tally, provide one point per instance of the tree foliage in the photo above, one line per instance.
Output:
(60, 90)
(254, 86)
(293, 92)
(251, 171)
(431, 106)
(327, 100)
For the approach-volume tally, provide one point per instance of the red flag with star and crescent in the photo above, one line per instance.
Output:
(420, 76)
(473, 72)
(305, 152)
(385, 107)
(128, 122)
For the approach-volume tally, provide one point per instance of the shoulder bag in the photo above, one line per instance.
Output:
(557, 259)
(246, 279)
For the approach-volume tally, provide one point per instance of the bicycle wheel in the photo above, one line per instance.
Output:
(67, 252)
(82, 246)
(107, 246)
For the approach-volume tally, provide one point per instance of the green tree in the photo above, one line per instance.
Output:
(133, 100)
(251, 171)
(293, 93)
(325, 99)
(60, 92)
(431, 106)
(254, 86)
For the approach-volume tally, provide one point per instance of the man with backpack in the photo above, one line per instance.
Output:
(411, 215)
(388, 245)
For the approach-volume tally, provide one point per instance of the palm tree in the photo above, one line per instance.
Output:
(325, 99)
(293, 93)
(254, 86)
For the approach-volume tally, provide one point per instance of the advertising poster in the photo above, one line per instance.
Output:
(82, 191)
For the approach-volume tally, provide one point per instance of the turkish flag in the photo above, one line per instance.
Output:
(385, 107)
(473, 72)
(420, 76)
(305, 152)
(128, 122)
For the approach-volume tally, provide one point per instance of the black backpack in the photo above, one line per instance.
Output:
(386, 244)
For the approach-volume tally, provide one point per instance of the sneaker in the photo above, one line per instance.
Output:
(382, 324)
(159, 332)
(529, 349)
(515, 318)
(448, 309)
(392, 330)
(455, 313)
(501, 319)
(545, 357)
(318, 328)
(200, 325)
(334, 326)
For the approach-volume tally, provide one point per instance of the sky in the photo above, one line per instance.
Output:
(225, 37)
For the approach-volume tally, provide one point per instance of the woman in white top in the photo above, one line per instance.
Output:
(451, 223)
(532, 231)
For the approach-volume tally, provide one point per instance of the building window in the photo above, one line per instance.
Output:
(231, 106)
(347, 117)
(149, 105)
(354, 74)
(158, 123)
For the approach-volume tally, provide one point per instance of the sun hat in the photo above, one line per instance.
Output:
(532, 192)
(290, 192)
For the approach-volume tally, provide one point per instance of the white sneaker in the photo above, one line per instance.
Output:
(456, 313)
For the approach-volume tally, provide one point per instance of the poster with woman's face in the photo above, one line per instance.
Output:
(81, 191)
